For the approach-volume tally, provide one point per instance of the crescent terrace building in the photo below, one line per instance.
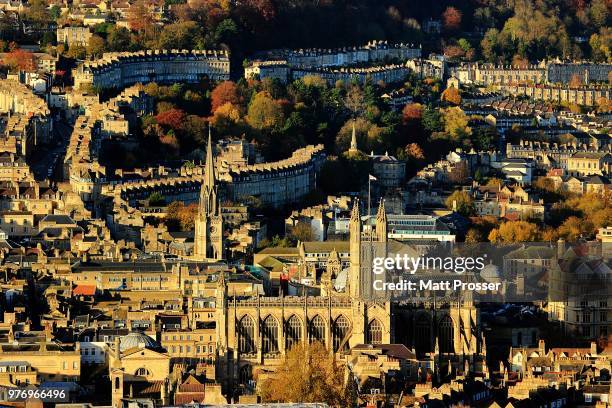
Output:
(121, 69)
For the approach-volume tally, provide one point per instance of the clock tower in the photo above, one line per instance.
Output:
(208, 237)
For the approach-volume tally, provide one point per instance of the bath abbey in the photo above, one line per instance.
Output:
(254, 332)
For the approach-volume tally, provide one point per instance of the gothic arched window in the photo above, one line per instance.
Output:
(270, 335)
(294, 331)
(445, 337)
(374, 333)
(245, 374)
(422, 334)
(246, 335)
(340, 330)
(317, 329)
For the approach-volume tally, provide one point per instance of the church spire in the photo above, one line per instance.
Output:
(355, 216)
(381, 222)
(209, 180)
(353, 147)
(208, 234)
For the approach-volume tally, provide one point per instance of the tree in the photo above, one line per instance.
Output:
(301, 232)
(414, 152)
(412, 112)
(520, 61)
(195, 127)
(264, 112)
(118, 39)
(473, 236)
(38, 13)
(601, 45)
(432, 120)
(140, 18)
(454, 52)
(456, 123)
(490, 45)
(227, 119)
(182, 35)
(604, 105)
(461, 202)
(571, 229)
(451, 95)
(599, 12)
(77, 52)
(355, 100)
(485, 138)
(309, 373)
(19, 59)
(226, 31)
(55, 12)
(225, 92)
(156, 199)
(515, 231)
(172, 118)
(170, 141)
(369, 136)
(96, 46)
(451, 19)
(180, 217)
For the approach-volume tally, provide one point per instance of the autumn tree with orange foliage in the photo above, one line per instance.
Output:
(19, 59)
(227, 120)
(451, 95)
(225, 92)
(140, 18)
(180, 217)
(515, 231)
(172, 118)
(453, 52)
(604, 105)
(451, 19)
(265, 112)
(412, 112)
(414, 151)
(519, 61)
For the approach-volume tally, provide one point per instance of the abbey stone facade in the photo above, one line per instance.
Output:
(256, 332)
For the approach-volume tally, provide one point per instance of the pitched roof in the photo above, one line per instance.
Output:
(84, 290)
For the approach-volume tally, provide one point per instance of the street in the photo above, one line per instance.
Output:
(46, 162)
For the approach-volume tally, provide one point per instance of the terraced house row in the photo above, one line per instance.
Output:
(121, 69)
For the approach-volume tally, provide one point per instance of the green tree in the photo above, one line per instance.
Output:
(119, 39)
(485, 138)
(432, 120)
(226, 31)
(55, 12)
(461, 202)
(156, 199)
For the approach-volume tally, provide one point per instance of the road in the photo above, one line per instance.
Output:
(47, 163)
